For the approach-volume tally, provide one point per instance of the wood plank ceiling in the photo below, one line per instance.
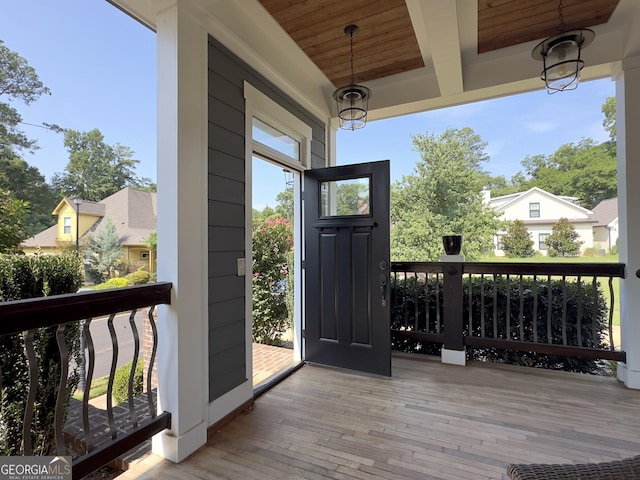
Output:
(386, 43)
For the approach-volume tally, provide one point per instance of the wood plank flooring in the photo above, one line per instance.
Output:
(429, 421)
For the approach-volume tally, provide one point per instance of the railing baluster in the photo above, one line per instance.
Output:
(579, 310)
(521, 315)
(482, 326)
(564, 310)
(88, 341)
(470, 300)
(416, 309)
(405, 309)
(62, 389)
(134, 363)
(152, 359)
(112, 373)
(534, 286)
(508, 312)
(596, 307)
(611, 304)
(495, 306)
(437, 292)
(27, 444)
(549, 310)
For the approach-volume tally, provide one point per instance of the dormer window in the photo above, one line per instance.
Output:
(66, 225)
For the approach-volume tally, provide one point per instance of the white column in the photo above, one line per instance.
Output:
(628, 123)
(182, 230)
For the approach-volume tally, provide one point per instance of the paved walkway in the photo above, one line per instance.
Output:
(269, 360)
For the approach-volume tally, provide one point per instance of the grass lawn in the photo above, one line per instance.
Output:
(602, 259)
(98, 387)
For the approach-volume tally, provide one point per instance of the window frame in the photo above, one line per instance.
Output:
(66, 228)
(532, 210)
(542, 240)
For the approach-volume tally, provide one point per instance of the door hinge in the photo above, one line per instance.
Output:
(302, 264)
(304, 333)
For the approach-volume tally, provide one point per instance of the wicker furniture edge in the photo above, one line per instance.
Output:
(628, 468)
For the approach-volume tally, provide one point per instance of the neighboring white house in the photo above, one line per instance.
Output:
(605, 227)
(539, 210)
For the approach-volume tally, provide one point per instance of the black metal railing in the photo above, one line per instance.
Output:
(125, 427)
(562, 309)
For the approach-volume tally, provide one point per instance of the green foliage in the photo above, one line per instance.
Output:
(443, 197)
(13, 215)
(517, 241)
(609, 122)
(415, 304)
(138, 277)
(26, 183)
(117, 282)
(585, 170)
(563, 240)
(18, 82)
(121, 381)
(103, 253)
(28, 277)
(96, 170)
(272, 242)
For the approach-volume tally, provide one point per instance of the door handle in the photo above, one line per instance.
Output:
(382, 278)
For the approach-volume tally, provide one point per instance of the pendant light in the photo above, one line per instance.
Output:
(352, 101)
(561, 56)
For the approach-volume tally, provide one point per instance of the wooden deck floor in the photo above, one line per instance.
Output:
(430, 421)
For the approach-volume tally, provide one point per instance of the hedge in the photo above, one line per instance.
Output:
(404, 312)
(29, 277)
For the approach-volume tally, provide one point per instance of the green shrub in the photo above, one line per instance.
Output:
(29, 277)
(121, 381)
(272, 241)
(117, 282)
(138, 277)
(592, 252)
(409, 312)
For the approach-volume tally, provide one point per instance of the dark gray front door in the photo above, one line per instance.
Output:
(347, 315)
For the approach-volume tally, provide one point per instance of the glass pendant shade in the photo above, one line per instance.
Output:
(560, 55)
(352, 104)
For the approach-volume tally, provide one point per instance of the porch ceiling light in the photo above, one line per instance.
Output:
(352, 101)
(561, 56)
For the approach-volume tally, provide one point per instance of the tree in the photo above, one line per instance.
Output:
(13, 215)
(18, 82)
(517, 241)
(26, 183)
(609, 122)
(103, 253)
(585, 170)
(563, 240)
(95, 169)
(443, 196)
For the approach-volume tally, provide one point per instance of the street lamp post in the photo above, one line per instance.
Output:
(77, 201)
(81, 368)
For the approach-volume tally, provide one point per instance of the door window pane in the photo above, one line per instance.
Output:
(345, 197)
(275, 139)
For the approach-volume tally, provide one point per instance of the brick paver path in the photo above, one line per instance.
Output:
(269, 360)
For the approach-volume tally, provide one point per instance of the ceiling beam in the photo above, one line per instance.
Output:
(436, 25)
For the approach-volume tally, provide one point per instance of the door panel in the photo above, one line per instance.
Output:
(346, 267)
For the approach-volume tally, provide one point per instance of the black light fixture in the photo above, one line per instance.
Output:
(352, 101)
(561, 56)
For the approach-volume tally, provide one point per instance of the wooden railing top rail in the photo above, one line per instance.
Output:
(517, 268)
(20, 315)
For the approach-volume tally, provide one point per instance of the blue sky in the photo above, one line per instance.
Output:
(101, 68)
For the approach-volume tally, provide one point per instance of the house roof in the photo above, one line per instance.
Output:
(605, 212)
(503, 202)
(133, 212)
(414, 55)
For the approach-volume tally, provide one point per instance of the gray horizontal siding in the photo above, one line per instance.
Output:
(226, 215)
